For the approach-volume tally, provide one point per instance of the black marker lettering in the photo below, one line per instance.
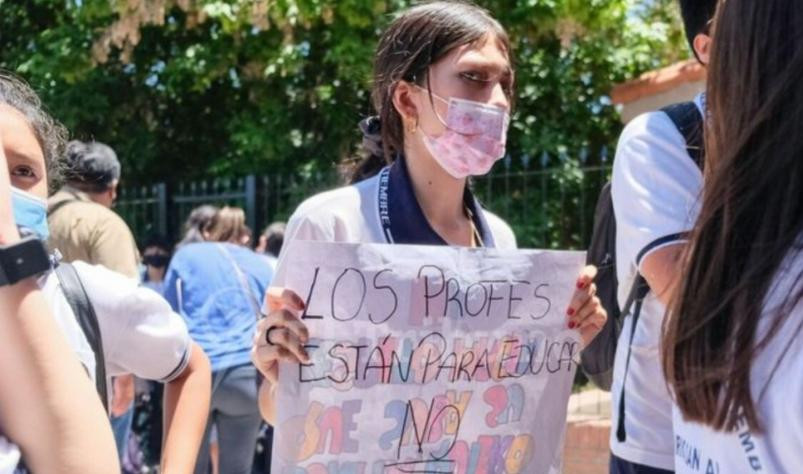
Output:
(306, 314)
(511, 298)
(427, 294)
(392, 293)
(544, 298)
(362, 297)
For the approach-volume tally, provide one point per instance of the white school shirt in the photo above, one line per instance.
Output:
(9, 456)
(776, 382)
(140, 333)
(656, 189)
(351, 214)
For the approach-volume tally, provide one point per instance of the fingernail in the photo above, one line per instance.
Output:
(571, 324)
(570, 311)
(580, 285)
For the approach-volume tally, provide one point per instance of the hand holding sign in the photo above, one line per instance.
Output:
(281, 335)
(418, 357)
(585, 312)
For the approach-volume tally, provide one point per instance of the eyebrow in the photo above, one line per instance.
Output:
(25, 159)
(486, 66)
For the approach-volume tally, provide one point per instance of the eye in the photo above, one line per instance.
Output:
(23, 172)
(474, 76)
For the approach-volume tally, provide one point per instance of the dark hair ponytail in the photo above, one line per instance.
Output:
(419, 37)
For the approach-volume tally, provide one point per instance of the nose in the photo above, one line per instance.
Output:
(499, 98)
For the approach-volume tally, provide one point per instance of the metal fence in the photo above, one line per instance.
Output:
(548, 200)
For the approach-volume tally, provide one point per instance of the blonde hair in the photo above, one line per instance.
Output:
(227, 225)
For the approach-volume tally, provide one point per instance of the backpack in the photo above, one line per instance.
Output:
(597, 359)
(84, 312)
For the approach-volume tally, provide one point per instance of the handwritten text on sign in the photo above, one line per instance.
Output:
(427, 360)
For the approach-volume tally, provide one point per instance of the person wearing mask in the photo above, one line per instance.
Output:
(733, 341)
(655, 187)
(216, 286)
(443, 89)
(138, 332)
(155, 258)
(50, 417)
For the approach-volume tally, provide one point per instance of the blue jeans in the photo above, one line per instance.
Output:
(620, 466)
(121, 427)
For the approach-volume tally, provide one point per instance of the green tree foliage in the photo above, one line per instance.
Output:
(185, 88)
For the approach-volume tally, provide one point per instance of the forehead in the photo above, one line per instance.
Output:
(489, 53)
(18, 137)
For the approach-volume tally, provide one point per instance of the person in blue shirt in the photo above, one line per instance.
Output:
(215, 286)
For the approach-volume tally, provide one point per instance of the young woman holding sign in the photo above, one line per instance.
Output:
(443, 89)
(733, 345)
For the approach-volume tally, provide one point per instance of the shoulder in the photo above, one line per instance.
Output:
(652, 154)
(504, 237)
(345, 199)
(116, 296)
(193, 251)
(322, 216)
(654, 126)
(652, 139)
(98, 275)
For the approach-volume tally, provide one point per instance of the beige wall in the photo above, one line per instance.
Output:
(681, 93)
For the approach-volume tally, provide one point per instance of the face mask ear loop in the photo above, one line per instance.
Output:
(432, 104)
(432, 96)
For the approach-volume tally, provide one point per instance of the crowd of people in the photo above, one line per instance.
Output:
(165, 358)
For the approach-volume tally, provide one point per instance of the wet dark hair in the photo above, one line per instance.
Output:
(416, 39)
(51, 135)
(697, 16)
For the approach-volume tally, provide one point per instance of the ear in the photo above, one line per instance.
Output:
(702, 47)
(406, 101)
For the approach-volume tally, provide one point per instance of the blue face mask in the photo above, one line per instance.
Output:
(30, 212)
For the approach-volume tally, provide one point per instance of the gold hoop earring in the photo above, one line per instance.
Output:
(411, 129)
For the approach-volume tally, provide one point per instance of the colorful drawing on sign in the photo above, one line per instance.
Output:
(428, 360)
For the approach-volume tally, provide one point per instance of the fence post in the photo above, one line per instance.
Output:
(161, 211)
(251, 203)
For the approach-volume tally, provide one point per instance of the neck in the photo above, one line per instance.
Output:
(439, 194)
(97, 198)
(155, 275)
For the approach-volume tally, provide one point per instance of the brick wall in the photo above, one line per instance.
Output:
(588, 426)
(587, 450)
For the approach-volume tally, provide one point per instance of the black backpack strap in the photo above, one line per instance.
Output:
(635, 299)
(79, 302)
(689, 121)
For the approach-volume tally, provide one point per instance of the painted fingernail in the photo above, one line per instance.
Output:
(570, 311)
(581, 284)
(571, 325)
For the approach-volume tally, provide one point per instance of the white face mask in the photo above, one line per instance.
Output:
(475, 137)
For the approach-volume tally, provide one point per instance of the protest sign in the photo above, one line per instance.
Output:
(427, 360)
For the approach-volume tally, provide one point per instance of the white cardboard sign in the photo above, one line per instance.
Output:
(427, 360)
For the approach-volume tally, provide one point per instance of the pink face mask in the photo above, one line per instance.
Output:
(474, 139)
